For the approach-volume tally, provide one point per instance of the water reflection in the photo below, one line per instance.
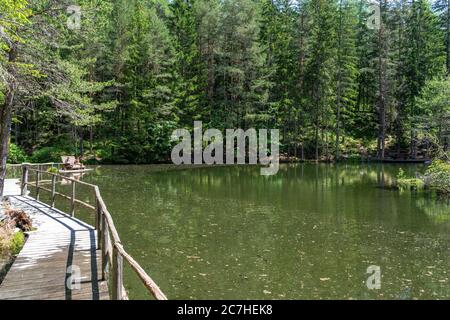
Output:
(74, 176)
(309, 232)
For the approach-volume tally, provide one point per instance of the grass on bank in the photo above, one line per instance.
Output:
(12, 236)
(11, 243)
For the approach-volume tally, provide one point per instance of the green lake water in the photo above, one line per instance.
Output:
(310, 232)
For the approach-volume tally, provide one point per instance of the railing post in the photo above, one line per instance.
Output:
(103, 246)
(24, 188)
(53, 191)
(38, 176)
(72, 200)
(117, 275)
(98, 222)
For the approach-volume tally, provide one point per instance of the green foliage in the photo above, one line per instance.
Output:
(16, 155)
(137, 69)
(17, 242)
(404, 183)
(53, 170)
(438, 176)
(401, 174)
(10, 242)
(154, 147)
(434, 107)
(15, 13)
(48, 154)
(442, 8)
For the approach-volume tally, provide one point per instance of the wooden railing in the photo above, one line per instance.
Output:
(15, 170)
(108, 240)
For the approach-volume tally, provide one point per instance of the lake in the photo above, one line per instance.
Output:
(310, 232)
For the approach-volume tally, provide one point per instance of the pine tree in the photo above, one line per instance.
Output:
(208, 19)
(183, 27)
(423, 58)
(382, 63)
(443, 9)
(240, 61)
(313, 68)
(318, 80)
(364, 117)
(278, 39)
(346, 64)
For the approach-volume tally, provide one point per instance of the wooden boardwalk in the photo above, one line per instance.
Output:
(59, 261)
(62, 259)
(12, 187)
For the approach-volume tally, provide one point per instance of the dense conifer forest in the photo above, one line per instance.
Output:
(111, 79)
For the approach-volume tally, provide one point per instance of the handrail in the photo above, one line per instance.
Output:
(34, 164)
(108, 240)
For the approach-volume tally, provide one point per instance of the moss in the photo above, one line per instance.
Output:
(17, 242)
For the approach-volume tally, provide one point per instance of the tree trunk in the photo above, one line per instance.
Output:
(5, 132)
(338, 132)
(5, 119)
(81, 142)
(339, 86)
(303, 152)
(316, 136)
(302, 52)
(447, 44)
(91, 139)
(382, 90)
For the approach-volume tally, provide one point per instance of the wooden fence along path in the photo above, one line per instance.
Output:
(66, 258)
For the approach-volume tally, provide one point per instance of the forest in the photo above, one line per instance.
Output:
(93, 94)
(110, 80)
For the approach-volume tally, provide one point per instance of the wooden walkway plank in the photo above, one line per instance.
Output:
(61, 250)
(11, 187)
